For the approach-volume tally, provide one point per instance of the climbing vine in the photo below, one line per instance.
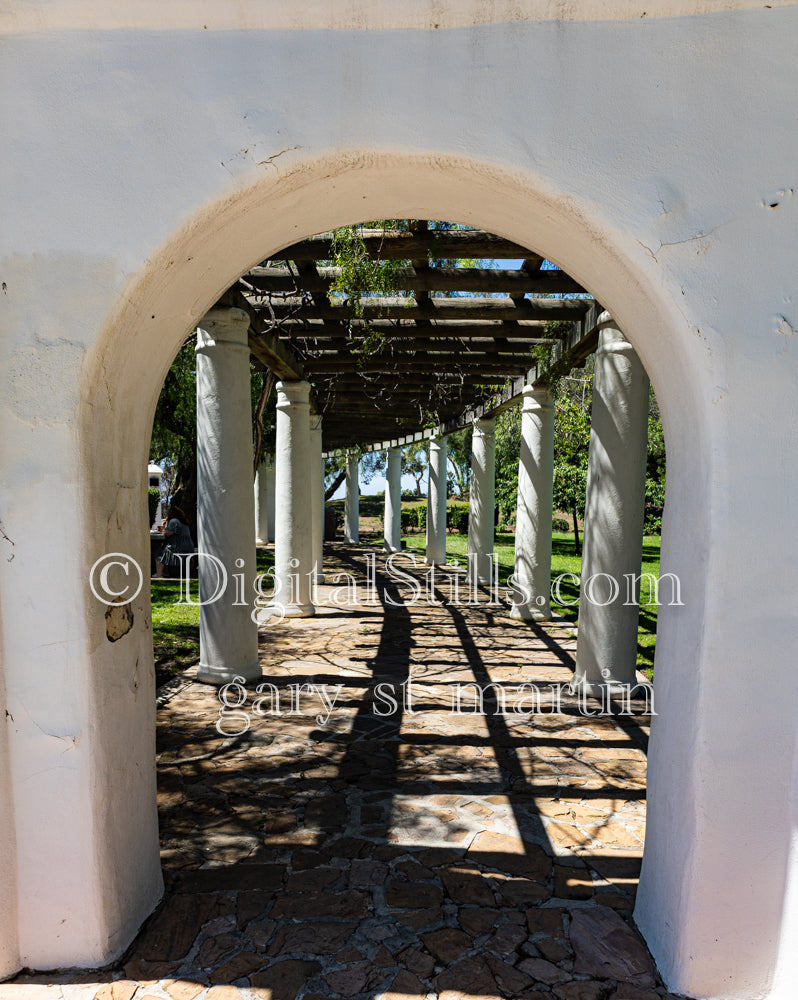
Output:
(361, 276)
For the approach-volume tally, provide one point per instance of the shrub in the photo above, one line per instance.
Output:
(408, 520)
(560, 524)
(421, 516)
(655, 501)
(153, 496)
(458, 517)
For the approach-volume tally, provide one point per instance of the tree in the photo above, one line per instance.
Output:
(173, 444)
(508, 451)
(371, 463)
(415, 459)
(458, 454)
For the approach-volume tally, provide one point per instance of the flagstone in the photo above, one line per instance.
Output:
(347, 904)
(581, 991)
(363, 873)
(510, 854)
(542, 971)
(469, 977)
(122, 989)
(447, 944)
(223, 993)
(311, 880)
(467, 885)
(238, 967)
(477, 920)
(283, 980)
(418, 919)
(552, 949)
(509, 795)
(507, 977)
(183, 989)
(606, 946)
(417, 961)
(405, 986)
(506, 939)
(547, 922)
(213, 949)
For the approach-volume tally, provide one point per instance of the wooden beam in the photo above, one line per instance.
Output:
(420, 378)
(531, 332)
(407, 309)
(420, 350)
(445, 364)
(434, 244)
(415, 279)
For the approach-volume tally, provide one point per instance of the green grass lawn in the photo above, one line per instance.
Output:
(175, 626)
(564, 560)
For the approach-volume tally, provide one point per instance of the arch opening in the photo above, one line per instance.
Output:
(175, 291)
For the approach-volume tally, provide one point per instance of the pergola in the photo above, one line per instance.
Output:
(450, 341)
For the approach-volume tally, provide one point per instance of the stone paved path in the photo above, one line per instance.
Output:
(363, 847)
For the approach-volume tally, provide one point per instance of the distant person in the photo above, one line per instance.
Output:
(177, 539)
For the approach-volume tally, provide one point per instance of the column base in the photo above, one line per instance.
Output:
(608, 688)
(319, 578)
(435, 562)
(523, 612)
(293, 610)
(209, 674)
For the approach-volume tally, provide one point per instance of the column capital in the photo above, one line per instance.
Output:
(537, 397)
(223, 327)
(485, 427)
(293, 394)
(611, 338)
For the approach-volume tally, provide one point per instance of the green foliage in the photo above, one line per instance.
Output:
(370, 464)
(174, 430)
(570, 484)
(458, 454)
(655, 502)
(559, 524)
(457, 517)
(173, 445)
(361, 276)
(153, 496)
(508, 450)
(415, 460)
(421, 517)
(408, 518)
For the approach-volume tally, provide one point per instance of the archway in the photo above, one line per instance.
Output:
(120, 382)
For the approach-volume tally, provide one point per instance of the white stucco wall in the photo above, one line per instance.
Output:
(154, 159)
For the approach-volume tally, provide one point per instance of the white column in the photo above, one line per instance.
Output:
(270, 494)
(352, 501)
(225, 501)
(264, 500)
(606, 650)
(317, 497)
(483, 499)
(393, 501)
(436, 502)
(532, 569)
(293, 536)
